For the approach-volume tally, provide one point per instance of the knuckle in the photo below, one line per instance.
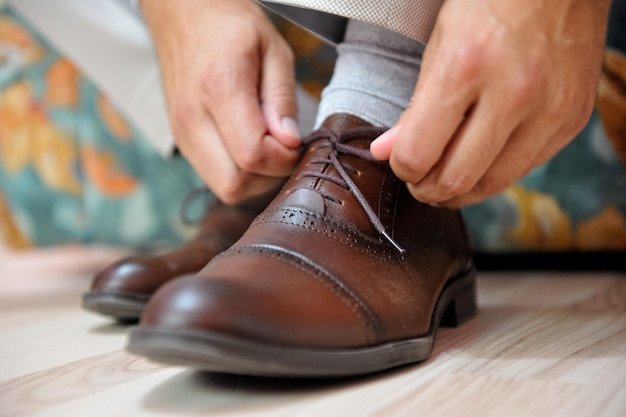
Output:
(523, 87)
(464, 200)
(465, 62)
(214, 81)
(290, 56)
(278, 45)
(243, 32)
(285, 52)
(181, 111)
(527, 81)
(417, 191)
(453, 185)
(490, 184)
(562, 101)
(238, 187)
(249, 160)
(406, 167)
(570, 110)
(229, 198)
(231, 191)
(224, 79)
(284, 91)
(583, 115)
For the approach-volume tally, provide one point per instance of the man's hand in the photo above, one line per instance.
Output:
(230, 91)
(504, 85)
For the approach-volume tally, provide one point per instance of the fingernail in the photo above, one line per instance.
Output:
(381, 146)
(290, 126)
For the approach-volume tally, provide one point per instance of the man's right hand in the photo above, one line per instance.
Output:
(230, 90)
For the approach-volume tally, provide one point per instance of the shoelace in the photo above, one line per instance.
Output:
(190, 198)
(337, 145)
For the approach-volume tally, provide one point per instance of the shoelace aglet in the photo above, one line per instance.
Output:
(393, 242)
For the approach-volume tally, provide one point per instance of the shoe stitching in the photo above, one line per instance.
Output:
(352, 234)
(332, 282)
(390, 199)
(432, 238)
(264, 218)
(339, 144)
(349, 240)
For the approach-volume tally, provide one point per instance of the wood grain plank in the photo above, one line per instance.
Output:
(79, 379)
(607, 396)
(472, 395)
(543, 345)
(54, 339)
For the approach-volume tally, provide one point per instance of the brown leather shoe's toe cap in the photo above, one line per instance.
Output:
(134, 275)
(262, 299)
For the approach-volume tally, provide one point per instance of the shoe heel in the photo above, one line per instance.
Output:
(463, 305)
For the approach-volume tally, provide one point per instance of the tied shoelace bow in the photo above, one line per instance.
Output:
(337, 145)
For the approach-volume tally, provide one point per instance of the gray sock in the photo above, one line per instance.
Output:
(374, 76)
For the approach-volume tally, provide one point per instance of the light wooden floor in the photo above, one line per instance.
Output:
(542, 345)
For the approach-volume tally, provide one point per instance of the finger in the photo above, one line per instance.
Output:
(476, 145)
(381, 146)
(556, 143)
(517, 159)
(278, 95)
(205, 151)
(233, 101)
(442, 98)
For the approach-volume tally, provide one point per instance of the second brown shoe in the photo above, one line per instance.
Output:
(344, 273)
(122, 289)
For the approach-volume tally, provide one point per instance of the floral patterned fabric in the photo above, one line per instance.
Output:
(72, 169)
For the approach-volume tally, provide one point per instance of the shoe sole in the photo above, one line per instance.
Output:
(211, 351)
(120, 306)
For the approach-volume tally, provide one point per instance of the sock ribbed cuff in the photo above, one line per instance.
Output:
(374, 77)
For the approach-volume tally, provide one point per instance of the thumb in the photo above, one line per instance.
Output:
(278, 95)
(381, 146)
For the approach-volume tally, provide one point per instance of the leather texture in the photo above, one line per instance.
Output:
(313, 271)
(136, 278)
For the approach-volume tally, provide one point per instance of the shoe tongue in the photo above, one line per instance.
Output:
(307, 199)
(310, 192)
(341, 122)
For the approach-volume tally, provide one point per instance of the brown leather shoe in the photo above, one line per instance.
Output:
(122, 289)
(344, 273)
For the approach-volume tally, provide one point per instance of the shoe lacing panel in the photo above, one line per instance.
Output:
(339, 144)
